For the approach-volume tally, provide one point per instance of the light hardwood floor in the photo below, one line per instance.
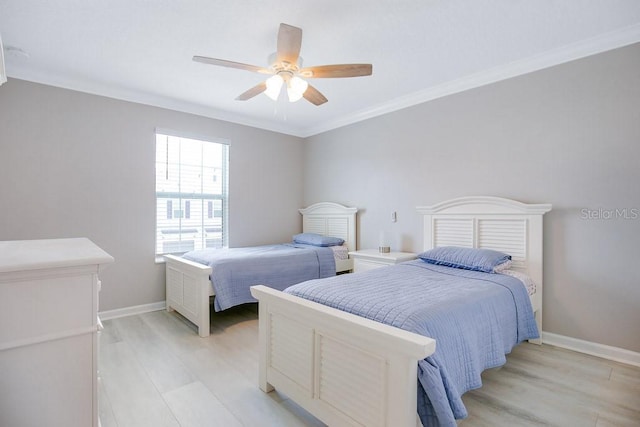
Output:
(156, 371)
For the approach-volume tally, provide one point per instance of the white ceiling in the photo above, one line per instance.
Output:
(141, 50)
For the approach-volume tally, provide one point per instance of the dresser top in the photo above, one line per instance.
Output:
(21, 255)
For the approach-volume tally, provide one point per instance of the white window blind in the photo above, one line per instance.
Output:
(191, 194)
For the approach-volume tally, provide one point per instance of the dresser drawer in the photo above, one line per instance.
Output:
(46, 306)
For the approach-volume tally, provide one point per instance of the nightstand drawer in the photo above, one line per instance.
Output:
(365, 265)
(369, 259)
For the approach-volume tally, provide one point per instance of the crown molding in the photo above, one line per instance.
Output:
(152, 100)
(608, 41)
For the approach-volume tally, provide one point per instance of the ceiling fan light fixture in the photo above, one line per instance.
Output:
(296, 87)
(274, 85)
(285, 65)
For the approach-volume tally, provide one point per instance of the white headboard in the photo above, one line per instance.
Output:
(494, 223)
(331, 219)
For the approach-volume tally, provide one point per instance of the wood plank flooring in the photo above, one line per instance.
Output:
(156, 371)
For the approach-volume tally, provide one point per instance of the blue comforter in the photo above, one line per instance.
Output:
(476, 318)
(235, 270)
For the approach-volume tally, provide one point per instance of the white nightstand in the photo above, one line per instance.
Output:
(368, 259)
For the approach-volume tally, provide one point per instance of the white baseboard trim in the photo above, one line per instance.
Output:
(133, 310)
(594, 349)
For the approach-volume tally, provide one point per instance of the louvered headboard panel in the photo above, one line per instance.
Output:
(338, 227)
(505, 235)
(334, 227)
(453, 232)
(315, 225)
(493, 223)
(331, 219)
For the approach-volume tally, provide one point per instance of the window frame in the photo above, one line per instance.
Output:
(184, 198)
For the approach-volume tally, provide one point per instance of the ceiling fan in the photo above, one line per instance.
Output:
(286, 67)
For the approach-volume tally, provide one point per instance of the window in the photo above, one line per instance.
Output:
(191, 194)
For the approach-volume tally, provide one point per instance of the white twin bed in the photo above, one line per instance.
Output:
(351, 371)
(345, 369)
(188, 284)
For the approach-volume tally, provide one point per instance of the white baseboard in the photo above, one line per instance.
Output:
(594, 349)
(131, 311)
(600, 350)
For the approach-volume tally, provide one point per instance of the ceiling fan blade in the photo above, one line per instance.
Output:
(256, 90)
(338, 70)
(289, 43)
(314, 96)
(231, 64)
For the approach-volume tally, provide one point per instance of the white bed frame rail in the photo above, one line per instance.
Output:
(350, 371)
(188, 289)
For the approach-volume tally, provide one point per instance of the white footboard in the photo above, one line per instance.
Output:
(188, 288)
(342, 368)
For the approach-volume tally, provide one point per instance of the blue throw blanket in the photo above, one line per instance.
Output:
(235, 270)
(476, 318)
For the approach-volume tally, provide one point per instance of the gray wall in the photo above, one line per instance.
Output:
(73, 164)
(568, 135)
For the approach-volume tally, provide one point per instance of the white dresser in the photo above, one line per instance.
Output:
(48, 332)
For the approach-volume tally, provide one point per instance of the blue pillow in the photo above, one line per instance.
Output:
(485, 260)
(317, 239)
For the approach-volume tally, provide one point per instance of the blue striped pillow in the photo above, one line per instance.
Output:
(485, 260)
(317, 239)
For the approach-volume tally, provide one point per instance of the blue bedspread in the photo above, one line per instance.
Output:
(476, 318)
(235, 270)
